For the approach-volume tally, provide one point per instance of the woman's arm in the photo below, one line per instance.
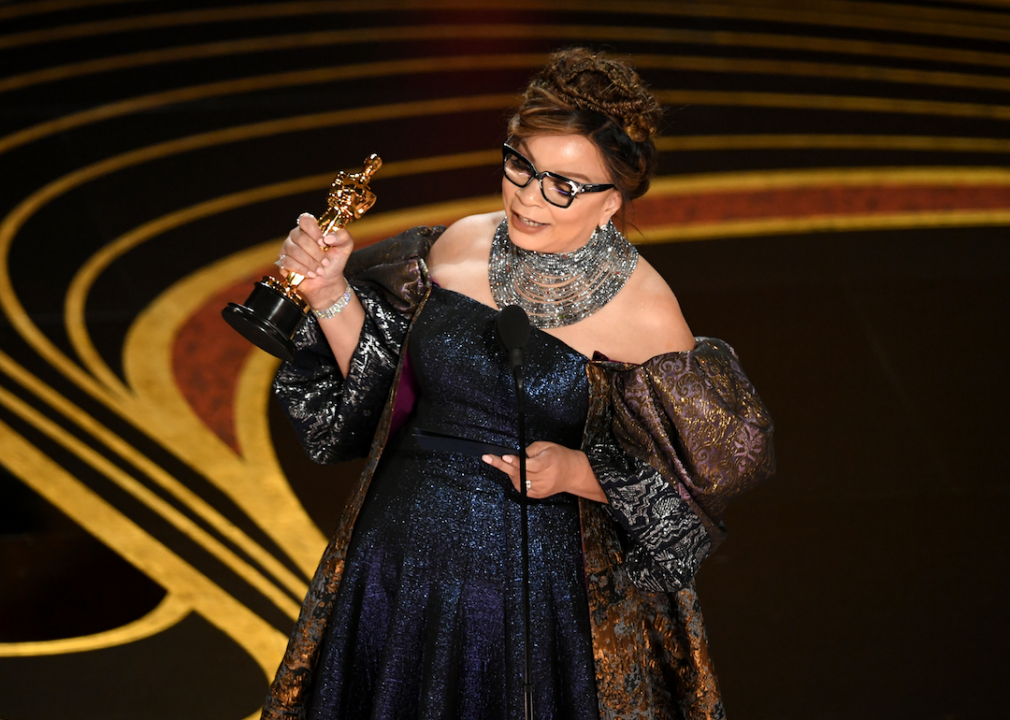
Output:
(337, 386)
(335, 413)
(686, 433)
(321, 260)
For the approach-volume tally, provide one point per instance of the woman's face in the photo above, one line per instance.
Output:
(535, 224)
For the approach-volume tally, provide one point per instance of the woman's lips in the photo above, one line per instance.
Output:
(525, 224)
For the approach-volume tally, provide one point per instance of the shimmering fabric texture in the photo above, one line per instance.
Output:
(427, 621)
(672, 441)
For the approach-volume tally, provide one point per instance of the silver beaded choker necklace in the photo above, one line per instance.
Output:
(558, 289)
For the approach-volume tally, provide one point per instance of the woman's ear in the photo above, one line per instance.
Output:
(610, 207)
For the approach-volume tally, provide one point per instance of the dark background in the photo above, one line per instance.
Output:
(868, 579)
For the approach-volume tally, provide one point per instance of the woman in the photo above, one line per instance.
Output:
(415, 610)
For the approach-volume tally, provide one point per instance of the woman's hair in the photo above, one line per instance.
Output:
(580, 92)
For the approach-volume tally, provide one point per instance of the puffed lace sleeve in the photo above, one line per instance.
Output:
(688, 434)
(336, 417)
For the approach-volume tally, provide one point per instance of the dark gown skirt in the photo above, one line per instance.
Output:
(428, 618)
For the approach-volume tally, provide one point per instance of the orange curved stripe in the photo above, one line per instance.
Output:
(796, 202)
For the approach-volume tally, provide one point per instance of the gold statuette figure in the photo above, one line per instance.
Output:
(274, 310)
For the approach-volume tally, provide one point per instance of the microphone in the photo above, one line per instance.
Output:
(513, 326)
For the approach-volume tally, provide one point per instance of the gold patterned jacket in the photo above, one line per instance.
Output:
(672, 441)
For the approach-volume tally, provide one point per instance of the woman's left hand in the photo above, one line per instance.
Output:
(551, 469)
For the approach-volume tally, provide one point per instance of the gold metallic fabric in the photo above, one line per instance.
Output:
(696, 419)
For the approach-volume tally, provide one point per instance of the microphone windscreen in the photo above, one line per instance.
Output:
(513, 327)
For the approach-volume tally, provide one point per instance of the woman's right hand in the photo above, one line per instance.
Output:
(323, 269)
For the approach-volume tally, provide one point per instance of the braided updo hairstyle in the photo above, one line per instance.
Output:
(580, 92)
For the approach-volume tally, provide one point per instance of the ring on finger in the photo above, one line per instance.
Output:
(279, 262)
(529, 485)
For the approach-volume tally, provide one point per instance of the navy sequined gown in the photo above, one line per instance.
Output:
(428, 619)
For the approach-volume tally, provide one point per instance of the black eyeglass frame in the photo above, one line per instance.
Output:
(577, 187)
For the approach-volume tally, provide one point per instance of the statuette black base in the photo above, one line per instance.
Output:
(268, 319)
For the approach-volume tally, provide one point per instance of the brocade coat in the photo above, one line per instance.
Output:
(671, 441)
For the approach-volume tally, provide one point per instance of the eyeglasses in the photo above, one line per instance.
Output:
(556, 189)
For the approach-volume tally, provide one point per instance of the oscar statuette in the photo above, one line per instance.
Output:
(274, 310)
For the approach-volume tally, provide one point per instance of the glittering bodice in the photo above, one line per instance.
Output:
(427, 621)
(466, 387)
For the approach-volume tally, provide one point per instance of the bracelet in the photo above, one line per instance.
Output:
(337, 307)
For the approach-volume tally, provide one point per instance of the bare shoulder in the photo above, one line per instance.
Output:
(465, 236)
(652, 321)
(458, 259)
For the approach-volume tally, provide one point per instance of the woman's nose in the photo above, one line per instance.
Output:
(531, 195)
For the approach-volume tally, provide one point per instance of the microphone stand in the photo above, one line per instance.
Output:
(517, 374)
(513, 328)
